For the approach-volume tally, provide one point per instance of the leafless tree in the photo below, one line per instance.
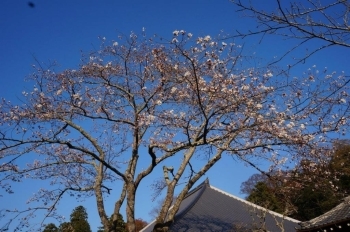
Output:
(302, 21)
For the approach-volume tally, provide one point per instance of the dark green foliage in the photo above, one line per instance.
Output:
(311, 203)
(308, 193)
(78, 220)
(50, 228)
(264, 196)
(119, 226)
(65, 227)
(340, 166)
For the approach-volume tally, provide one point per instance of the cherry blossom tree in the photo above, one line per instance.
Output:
(157, 100)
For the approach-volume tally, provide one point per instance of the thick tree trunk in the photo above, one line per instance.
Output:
(130, 207)
(161, 223)
(99, 198)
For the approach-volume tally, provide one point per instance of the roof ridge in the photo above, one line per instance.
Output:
(255, 205)
(201, 187)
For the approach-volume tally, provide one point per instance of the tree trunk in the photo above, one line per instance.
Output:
(161, 224)
(130, 207)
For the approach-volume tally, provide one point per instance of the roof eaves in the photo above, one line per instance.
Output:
(320, 220)
(256, 206)
(312, 227)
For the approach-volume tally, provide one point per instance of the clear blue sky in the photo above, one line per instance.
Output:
(58, 30)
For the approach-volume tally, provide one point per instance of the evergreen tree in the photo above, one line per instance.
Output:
(66, 227)
(309, 192)
(120, 225)
(50, 228)
(340, 166)
(264, 195)
(78, 220)
(311, 202)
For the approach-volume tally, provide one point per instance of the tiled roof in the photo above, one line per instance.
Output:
(338, 214)
(207, 208)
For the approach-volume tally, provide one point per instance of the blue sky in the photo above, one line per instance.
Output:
(59, 30)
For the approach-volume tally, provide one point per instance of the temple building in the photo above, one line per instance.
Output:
(207, 208)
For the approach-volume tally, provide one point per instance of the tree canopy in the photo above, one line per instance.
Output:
(118, 225)
(154, 100)
(65, 227)
(304, 194)
(78, 220)
(51, 227)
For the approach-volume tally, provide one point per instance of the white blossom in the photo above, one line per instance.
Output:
(290, 125)
(245, 87)
(173, 89)
(150, 117)
(187, 73)
(76, 96)
(207, 38)
(176, 33)
(115, 44)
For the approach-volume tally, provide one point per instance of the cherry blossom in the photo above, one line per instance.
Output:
(188, 99)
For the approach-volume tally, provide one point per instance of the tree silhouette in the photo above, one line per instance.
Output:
(51, 227)
(78, 220)
(66, 227)
(118, 225)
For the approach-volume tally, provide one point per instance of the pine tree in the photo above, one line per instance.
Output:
(264, 195)
(78, 220)
(66, 227)
(120, 225)
(50, 228)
